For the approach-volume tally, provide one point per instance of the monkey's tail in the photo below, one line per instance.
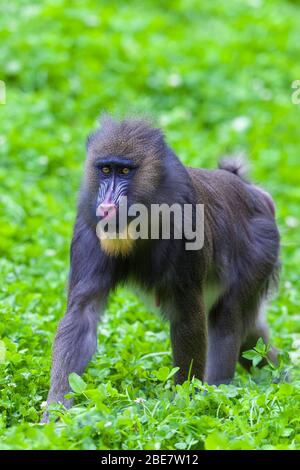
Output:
(235, 164)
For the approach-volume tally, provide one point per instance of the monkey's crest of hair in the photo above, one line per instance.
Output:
(134, 138)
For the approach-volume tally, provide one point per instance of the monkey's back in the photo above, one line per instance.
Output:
(219, 186)
(240, 227)
(230, 193)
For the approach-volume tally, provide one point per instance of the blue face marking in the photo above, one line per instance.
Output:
(115, 174)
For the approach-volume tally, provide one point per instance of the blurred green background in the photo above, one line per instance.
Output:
(217, 77)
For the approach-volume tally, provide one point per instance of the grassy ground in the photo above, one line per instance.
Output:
(217, 76)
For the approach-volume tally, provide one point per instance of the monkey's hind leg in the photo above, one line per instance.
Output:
(224, 341)
(188, 338)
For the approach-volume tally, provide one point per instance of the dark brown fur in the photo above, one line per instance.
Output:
(240, 256)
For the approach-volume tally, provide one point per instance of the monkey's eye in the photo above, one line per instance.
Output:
(105, 170)
(125, 170)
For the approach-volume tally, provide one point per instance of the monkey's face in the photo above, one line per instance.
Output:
(115, 175)
(123, 168)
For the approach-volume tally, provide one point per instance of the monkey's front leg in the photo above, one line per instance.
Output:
(74, 345)
(189, 338)
(76, 338)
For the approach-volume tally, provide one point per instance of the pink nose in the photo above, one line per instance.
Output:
(106, 209)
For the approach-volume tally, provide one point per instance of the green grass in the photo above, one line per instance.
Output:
(217, 77)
